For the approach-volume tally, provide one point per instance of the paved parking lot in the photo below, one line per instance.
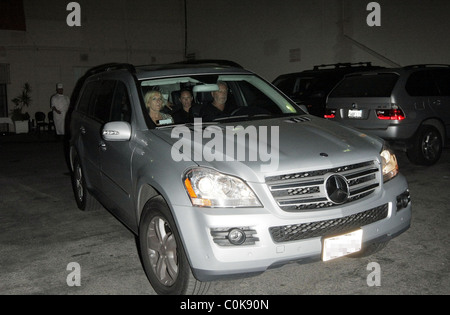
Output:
(42, 232)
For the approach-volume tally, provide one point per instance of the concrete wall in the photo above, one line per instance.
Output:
(268, 36)
(135, 31)
(264, 35)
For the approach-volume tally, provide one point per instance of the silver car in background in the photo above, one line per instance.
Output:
(409, 107)
(262, 186)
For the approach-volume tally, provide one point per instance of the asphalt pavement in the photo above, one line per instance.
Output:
(49, 247)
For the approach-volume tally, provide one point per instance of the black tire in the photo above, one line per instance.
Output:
(426, 147)
(162, 253)
(85, 201)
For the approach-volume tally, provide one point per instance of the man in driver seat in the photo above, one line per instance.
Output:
(218, 107)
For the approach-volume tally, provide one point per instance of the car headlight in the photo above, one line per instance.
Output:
(208, 188)
(389, 164)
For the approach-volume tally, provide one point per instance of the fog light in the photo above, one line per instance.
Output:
(236, 236)
(403, 200)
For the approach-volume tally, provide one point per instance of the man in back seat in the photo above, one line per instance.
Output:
(185, 113)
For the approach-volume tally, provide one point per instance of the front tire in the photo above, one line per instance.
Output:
(85, 201)
(162, 253)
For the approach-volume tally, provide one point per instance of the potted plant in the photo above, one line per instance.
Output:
(21, 119)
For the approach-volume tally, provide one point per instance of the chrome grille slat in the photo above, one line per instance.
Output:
(306, 190)
(295, 184)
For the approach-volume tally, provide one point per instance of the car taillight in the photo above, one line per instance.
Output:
(390, 114)
(330, 113)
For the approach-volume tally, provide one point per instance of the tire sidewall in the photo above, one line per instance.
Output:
(80, 203)
(416, 154)
(157, 207)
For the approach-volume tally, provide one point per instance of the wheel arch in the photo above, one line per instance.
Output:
(146, 193)
(72, 155)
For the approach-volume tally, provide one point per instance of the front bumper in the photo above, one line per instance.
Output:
(213, 260)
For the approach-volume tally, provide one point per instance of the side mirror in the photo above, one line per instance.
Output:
(116, 131)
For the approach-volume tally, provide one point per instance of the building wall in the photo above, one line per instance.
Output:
(274, 37)
(270, 37)
(50, 51)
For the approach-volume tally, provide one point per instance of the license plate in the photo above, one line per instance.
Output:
(341, 245)
(355, 113)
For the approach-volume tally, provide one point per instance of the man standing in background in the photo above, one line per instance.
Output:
(60, 105)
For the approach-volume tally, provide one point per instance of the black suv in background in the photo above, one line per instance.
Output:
(311, 87)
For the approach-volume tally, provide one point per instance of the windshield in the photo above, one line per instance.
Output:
(219, 98)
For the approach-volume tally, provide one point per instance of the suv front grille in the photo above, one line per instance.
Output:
(325, 228)
(306, 190)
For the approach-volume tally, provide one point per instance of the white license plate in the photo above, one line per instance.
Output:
(342, 245)
(355, 113)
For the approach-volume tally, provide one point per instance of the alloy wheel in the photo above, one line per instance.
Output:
(79, 183)
(162, 251)
(430, 145)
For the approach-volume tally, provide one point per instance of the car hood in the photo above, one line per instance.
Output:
(285, 145)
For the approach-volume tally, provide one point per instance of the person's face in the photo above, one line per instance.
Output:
(155, 102)
(186, 99)
(60, 91)
(220, 96)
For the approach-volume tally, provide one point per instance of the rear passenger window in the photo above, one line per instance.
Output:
(87, 97)
(442, 78)
(103, 102)
(421, 83)
(121, 108)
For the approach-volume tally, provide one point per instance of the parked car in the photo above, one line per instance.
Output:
(409, 107)
(262, 186)
(311, 87)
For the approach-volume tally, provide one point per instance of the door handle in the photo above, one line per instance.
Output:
(102, 146)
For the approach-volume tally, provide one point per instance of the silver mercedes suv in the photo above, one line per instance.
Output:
(260, 185)
(409, 107)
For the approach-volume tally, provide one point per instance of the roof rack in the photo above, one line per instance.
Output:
(426, 65)
(343, 65)
(111, 66)
(220, 62)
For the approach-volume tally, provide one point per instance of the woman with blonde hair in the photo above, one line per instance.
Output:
(154, 102)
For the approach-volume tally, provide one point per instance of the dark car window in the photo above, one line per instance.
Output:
(121, 108)
(379, 85)
(295, 86)
(103, 102)
(255, 98)
(421, 83)
(87, 97)
(442, 78)
(285, 84)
